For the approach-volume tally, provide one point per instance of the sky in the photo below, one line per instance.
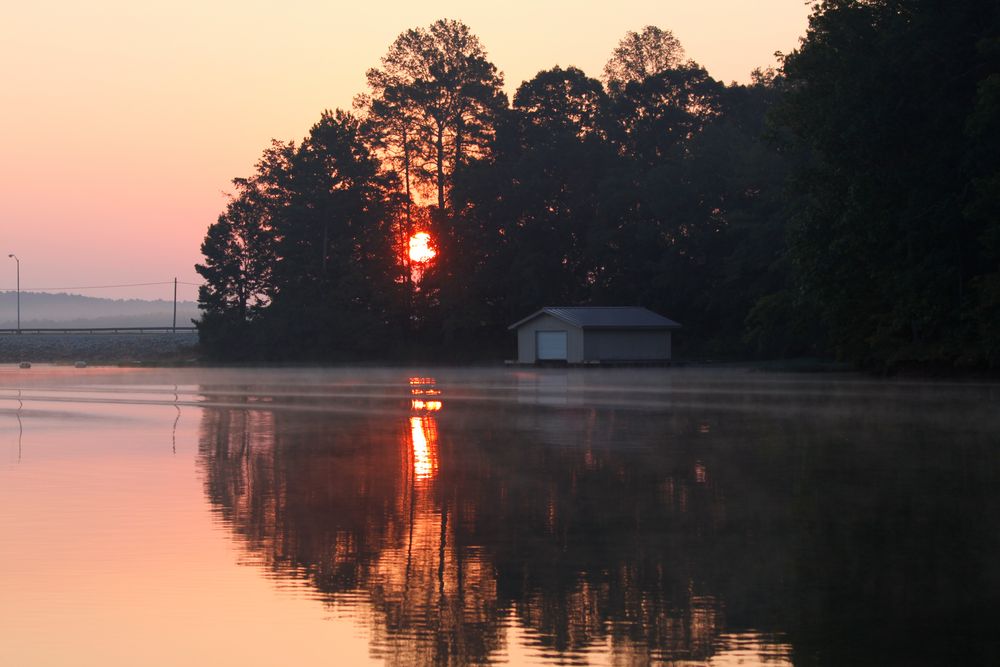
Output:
(122, 123)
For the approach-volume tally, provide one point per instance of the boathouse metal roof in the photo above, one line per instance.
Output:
(604, 317)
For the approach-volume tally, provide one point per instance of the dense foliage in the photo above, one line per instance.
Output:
(894, 241)
(845, 205)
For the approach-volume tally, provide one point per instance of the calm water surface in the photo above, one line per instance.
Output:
(353, 516)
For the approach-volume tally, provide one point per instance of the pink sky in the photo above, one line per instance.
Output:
(123, 122)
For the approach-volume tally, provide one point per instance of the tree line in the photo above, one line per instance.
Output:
(844, 205)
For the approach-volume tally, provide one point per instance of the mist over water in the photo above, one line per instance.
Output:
(496, 515)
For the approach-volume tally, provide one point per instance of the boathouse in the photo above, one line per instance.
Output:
(585, 335)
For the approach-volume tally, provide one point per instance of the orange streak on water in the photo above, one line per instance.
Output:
(423, 433)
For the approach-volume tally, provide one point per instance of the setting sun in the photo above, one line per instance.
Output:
(420, 248)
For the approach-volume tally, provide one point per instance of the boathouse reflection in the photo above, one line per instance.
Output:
(454, 524)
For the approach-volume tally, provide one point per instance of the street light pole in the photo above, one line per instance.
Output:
(18, 290)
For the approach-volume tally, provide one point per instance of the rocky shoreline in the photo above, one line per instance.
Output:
(99, 348)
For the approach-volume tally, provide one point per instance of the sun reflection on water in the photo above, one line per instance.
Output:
(476, 554)
(423, 434)
(423, 429)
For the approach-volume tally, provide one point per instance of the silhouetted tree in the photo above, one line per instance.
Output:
(440, 95)
(336, 274)
(640, 55)
(664, 110)
(237, 266)
(239, 261)
(303, 263)
(562, 103)
(527, 218)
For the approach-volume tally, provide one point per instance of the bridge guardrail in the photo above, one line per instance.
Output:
(34, 331)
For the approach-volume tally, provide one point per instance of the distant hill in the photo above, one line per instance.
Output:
(40, 309)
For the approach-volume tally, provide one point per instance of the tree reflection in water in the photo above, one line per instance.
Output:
(652, 533)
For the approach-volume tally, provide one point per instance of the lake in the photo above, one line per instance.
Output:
(520, 516)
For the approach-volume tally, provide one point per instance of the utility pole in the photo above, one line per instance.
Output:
(18, 291)
(175, 304)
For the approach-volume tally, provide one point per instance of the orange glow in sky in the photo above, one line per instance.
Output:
(124, 122)
(420, 248)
